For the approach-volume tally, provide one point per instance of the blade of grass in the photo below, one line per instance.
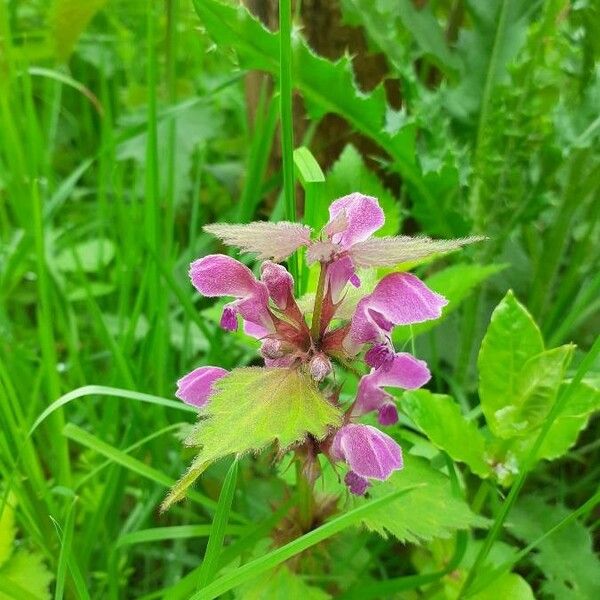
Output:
(65, 551)
(287, 120)
(89, 441)
(175, 532)
(280, 555)
(214, 547)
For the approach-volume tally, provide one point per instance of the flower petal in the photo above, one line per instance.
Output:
(391, 251)
(398, 299)
(356, 484)
(219, 275)
(263, 238)
(353, 219)
(339, 273)
(279, 283)
(403, 371)
(196, 387)
(368, 451)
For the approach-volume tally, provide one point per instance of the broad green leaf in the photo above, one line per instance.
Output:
(251, 408)
(440, 418)
(509, 585)
(566, 558)
(327, 87)
(69, 18)
(350, 174)
(281, 584)
(28, 571)
(7, 527)
(427, 512)
(512, 338)
(89, 256)
(455, 283)
(581, 404)
(535, 389)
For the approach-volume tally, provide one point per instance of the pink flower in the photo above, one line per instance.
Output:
(402, 371)
(196, 387)
(368, 452)
(219, 275)
(398, 299)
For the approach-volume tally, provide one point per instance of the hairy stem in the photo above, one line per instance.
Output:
(305, 497)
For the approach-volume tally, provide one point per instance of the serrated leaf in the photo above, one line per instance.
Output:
(327, 87)
(263, 238)
(281, 584)
(90, 256)
(28, 571)
(350, 174)
(69, 18)
(455, 283)
(427, 512)
(566, 558)
(251, 408)
(440, 418)
(512, 338)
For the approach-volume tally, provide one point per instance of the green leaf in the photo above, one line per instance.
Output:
(7, 527)
(28, 572)
(69, 18)
(509, 585)
(440, 418)
(581, 404)
(92, 255)
(427, 512)
(251, 408)
(350, 174)
(566, 558)
(327, 87)
(281, 584)
(455, 283)
(512, 338)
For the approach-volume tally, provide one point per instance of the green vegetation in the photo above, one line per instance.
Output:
(127, 126)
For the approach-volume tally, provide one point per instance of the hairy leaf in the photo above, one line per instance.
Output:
(440, 418)
(427, 512)
(251, 408)
(391, 251)
(28, 571)
(566, 558)
(512, 338)
(263, 238)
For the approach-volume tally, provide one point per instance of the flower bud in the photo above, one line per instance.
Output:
(272, 349)
(319, 367)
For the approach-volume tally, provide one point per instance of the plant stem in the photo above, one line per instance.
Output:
(305, 497)
(315, 328)
(287, 119)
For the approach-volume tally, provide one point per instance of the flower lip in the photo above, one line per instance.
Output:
(367, 451)
(353, 218)
(196, 387)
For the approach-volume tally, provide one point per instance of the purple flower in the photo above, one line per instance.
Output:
(398, 299)
(196, 387)
(279, 283)
(403, 371)
(368, 452)
(219, 275)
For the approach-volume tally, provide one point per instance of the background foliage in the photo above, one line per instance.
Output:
(126, 126)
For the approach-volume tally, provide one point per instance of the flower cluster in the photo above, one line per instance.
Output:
(269, 312)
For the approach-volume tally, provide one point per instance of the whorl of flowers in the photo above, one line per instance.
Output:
(270, 313)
